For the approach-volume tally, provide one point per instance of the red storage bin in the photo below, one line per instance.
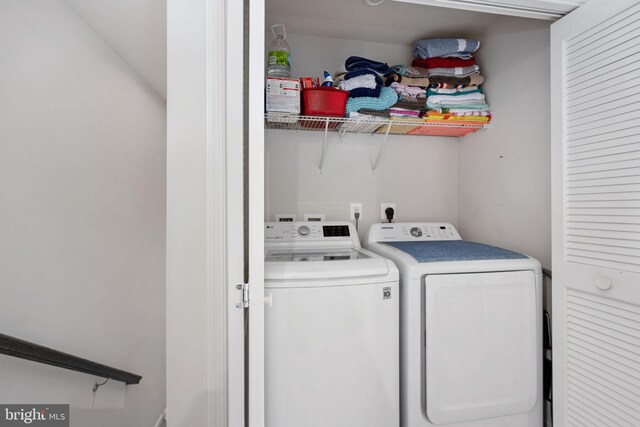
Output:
(323, 101)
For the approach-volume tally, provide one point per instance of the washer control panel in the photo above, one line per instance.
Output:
(309, 231)
(407, 232)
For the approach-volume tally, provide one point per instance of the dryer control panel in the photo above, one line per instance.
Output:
(412, 231)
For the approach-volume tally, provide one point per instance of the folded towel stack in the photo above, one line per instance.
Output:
(409, 84)
(411, 100)
(454, 79)
(367, 95)
(363, 77)
(451, 58)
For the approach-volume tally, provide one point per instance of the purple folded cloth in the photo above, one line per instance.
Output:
(404, 113)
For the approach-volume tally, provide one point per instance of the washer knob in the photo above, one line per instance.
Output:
(304, 231)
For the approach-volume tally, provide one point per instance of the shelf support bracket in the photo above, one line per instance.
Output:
(384, 141)
(324, 144)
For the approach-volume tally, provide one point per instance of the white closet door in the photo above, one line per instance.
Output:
(595, 110)
(254, 209)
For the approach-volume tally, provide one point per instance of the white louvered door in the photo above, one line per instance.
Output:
(595, 76)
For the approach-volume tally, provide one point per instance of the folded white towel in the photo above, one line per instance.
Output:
(469, 112)
(367, 81)
(471, 98)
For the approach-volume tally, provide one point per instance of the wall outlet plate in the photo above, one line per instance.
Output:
(356, 207)
(314, 217)
(383, 207)
(286, 217)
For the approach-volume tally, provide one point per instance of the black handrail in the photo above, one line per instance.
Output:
(27, 350)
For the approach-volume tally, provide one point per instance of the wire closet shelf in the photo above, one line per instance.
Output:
(371, 125)
(391, 126)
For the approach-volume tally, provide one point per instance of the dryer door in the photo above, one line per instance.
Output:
(481, 345)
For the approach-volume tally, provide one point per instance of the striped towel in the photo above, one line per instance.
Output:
(450, 108)
(466, 98)
(452, 91)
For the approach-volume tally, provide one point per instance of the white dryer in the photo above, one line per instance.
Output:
(471, 336)
(331, 329)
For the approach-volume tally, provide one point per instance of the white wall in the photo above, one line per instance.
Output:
(505, 194)
(135, 29)
(419, 174)
(82, 211)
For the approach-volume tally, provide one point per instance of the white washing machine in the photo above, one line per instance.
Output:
(471, 336)
(331, 329)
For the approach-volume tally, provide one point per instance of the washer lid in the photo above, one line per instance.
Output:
(311, 265)
(305, 255)
(453, 250)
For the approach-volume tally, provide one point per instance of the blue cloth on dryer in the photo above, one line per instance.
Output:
(435, 48)
(453, 250)
(354, 63)
(387, 98)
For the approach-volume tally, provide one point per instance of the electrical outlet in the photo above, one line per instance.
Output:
(356, 207)
(383, 208)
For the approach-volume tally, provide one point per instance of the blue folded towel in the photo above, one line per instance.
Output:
(366, 92)
(387, 98)
(355, 63)
(436, 48)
